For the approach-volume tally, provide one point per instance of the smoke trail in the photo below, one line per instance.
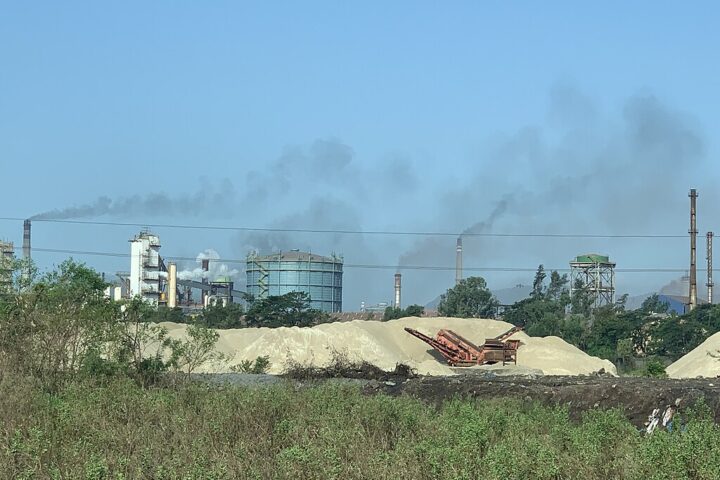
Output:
(207, 202)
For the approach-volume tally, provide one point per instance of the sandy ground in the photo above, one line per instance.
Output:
(703, 361)
(386, 344)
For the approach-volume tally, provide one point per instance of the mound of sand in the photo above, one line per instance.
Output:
(703, 361)
(386, 344)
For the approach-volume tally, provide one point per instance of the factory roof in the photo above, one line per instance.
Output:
(295, 255)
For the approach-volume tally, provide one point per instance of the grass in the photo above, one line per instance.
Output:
(118, 430)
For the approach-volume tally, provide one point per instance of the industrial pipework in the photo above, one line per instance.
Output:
(693, 249)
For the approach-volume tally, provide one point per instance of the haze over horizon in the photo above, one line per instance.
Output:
(474, 118)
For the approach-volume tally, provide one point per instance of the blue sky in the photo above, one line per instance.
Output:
(368, 115)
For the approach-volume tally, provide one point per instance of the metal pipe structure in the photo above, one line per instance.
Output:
(172, 285)
(693, 249)
(710, 283)
(458, 261)
(27, 227)
(398, 281)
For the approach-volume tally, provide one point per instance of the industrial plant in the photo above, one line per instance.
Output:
(158, 282)
(295, 271)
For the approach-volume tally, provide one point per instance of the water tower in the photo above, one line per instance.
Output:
(597, 274)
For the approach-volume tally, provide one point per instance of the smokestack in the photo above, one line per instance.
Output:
(205, 262)
(172, 285)
(710, 283)
(458, 261)
(26, 239)
(398, 280)
(693, 248)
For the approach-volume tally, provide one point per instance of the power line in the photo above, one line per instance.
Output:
(347, 231)
(372, 266)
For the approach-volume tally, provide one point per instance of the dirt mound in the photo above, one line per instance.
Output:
(386, 344)
(703, 361)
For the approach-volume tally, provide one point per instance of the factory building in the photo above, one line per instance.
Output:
(295, 271)
(145, 266)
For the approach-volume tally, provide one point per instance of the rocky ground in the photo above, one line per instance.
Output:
(636, 397)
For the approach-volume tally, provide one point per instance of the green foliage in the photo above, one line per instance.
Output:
(674, 336)
(48, 328)
(653, 304)
(118, 430)
(198, 348)
(655, 368)
(257, 366)
(392, 313)
(469, 298)
(165, 314)
(221, 316)
(291, 309)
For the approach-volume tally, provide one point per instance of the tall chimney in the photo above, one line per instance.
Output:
(398, 279)
(172, 285)
(693, 248)
(205, 262)
(710, 283)
(458, 261)
(26, 239)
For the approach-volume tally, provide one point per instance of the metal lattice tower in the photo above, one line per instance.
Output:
(597, 274)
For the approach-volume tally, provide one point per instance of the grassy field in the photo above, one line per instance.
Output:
(120, 431)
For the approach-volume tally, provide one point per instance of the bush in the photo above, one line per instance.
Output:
(258, 366)
(654, 368)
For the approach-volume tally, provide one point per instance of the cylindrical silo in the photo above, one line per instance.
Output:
(295, 271)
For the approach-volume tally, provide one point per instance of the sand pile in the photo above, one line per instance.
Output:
(703, 361)
(385, 344)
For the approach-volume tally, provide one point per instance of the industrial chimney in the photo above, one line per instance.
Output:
(398, 280)
(172, 285)
(458, 261)
(693, 248)
(205, 263)
(710, 283)
(26, 239)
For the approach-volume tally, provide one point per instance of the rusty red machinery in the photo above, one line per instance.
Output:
(461, 352)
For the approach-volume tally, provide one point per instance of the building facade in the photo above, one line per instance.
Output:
(295, 271)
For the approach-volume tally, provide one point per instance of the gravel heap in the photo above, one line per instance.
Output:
(386, 344)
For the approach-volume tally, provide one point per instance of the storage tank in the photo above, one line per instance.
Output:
(295, 271)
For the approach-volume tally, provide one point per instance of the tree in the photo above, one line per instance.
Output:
(538, 287)
(47, 328)
(221, 316)
(392, 313)
(291, 309)
(582, 300)
(558, 286)
(469, 298)
(653, 304)
(198, 348)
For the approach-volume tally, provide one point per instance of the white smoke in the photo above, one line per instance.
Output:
(215, 268)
